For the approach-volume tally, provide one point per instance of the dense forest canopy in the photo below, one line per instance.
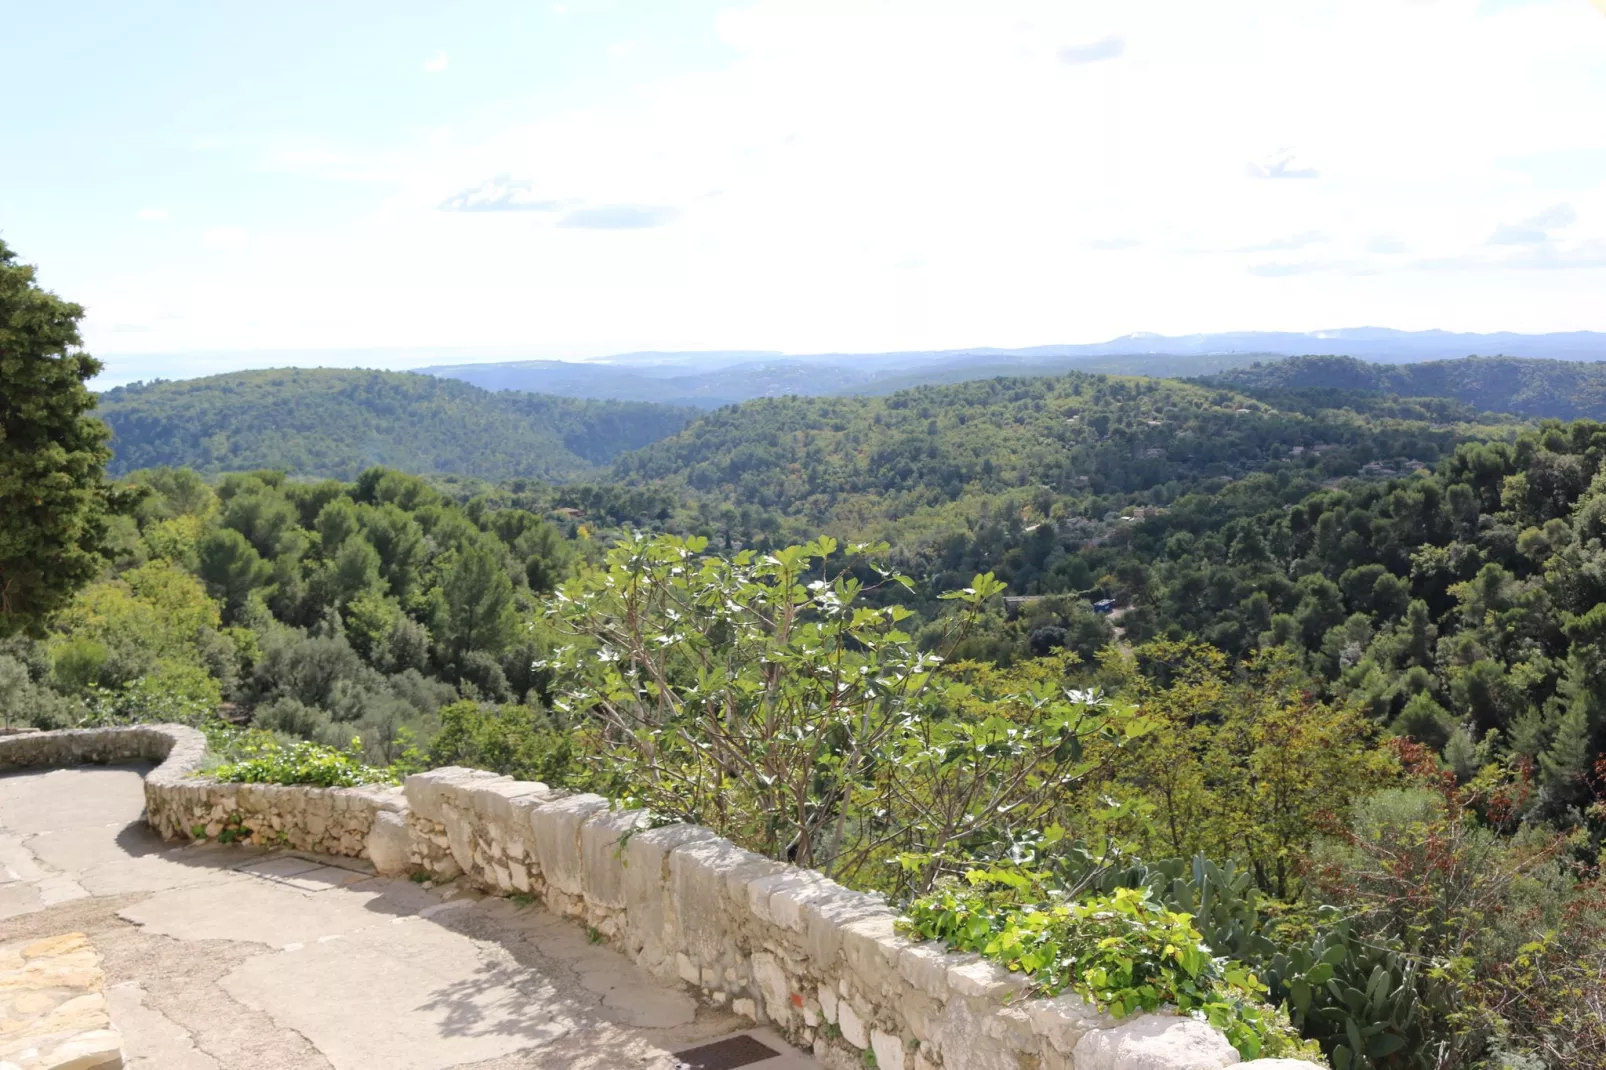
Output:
(335, 423)
(1564, 389)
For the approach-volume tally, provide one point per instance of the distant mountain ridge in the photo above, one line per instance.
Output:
(713, 379)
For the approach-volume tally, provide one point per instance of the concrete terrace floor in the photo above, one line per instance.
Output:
(235, 958)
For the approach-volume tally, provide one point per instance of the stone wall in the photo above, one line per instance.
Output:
(774, 943)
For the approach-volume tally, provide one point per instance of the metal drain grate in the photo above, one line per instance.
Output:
(725, 1054)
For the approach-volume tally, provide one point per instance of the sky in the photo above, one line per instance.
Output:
(224, 185)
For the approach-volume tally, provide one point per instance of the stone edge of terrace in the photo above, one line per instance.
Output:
(779, 945)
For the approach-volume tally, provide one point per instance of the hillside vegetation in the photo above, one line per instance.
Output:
(925, 466)
(1563, 389)
(336, 422)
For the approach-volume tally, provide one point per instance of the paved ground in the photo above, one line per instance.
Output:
(231, 958)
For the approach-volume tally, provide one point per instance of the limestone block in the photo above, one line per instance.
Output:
(741, 871)
(871, 950)
(99, 1049)
(702, 915)
(492, 800)
(652, 926)
(762, 892)
(985, 980)
(825, 916)
(1154, 1042)
(921, 1014)
(459, 835)
(787, 902)
(1063, 1019)
(425, 790)
(388, 842)
(925, 966)
(602, 855)
(888, 1048)
(964, 1040)
(757, 866)
(1012, 1029)
(828, 1003)
(774, 986)
(852, 1025)
(555, 828)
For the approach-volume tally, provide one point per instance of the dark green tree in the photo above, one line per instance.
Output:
(232, 568)
(479, 603)
(54, 500)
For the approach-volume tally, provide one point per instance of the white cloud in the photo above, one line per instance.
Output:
(151, 215)
(934, 173)
(1536, 228)
(435, 64)
(1110, 47)
(500, 194)
(224, 238)
(1283, 163)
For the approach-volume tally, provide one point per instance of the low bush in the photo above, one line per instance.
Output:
(265, 760)
(1124, 952)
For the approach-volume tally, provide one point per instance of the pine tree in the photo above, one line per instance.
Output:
(54, 500)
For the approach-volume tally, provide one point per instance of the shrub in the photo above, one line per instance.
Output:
(1123, 952)
(268, 761)
(174, 693)
(760, 696)
(517, 741)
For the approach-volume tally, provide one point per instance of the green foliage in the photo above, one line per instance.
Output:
(232, 568)
(760, 696)
(265, 760)
(332, 422)
(479, 603)
(174, 693)
(54, 501)
(1122, 952)
(1241, 763)
(515, 740)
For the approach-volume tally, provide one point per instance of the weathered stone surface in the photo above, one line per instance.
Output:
(852, 1025)
(53, 1013)
(981, 979)
(1063, 1020)
(602, 854)
(773, 985)
(387, 843)
(556, 831)
(1154, 1042)
(964, 1040)
(888, 1048)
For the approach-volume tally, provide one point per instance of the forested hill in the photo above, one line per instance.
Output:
(935, 458)
(336, 422)
(1564, 389)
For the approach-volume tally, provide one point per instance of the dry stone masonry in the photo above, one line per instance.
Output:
(777, 944)
(53, 1013)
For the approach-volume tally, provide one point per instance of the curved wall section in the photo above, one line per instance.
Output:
(777, 944)
(179, 750)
